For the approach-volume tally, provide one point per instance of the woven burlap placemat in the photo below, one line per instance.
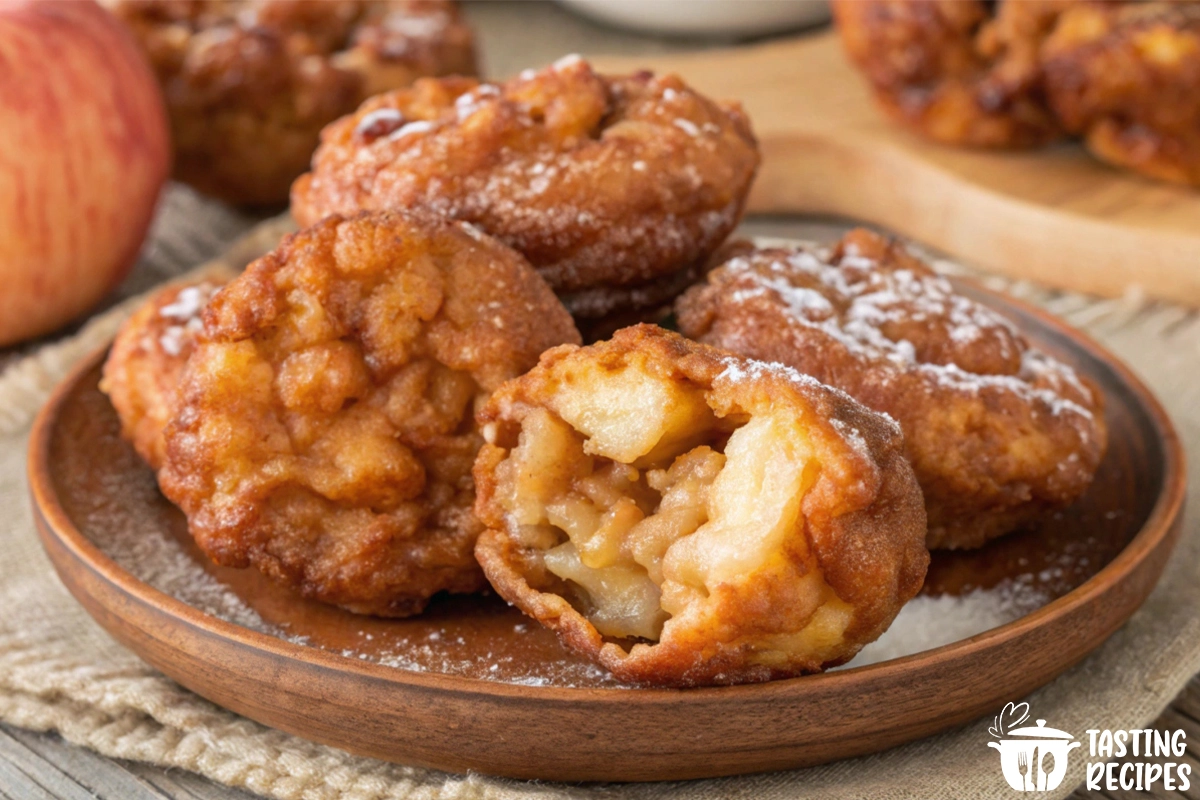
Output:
(59, 671)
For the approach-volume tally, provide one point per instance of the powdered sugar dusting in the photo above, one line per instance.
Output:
(175, 338)
(568, 61)
(466, 105)
(853, 436)
(929, 621)
(687, 126)
(152, 556)
(423, 26)
(377, 123)
(749, 370)
(473, 232)
(420, 126)
(188, 303)
(185, 312)
(554, 181)
(158, 560)
(870, 310)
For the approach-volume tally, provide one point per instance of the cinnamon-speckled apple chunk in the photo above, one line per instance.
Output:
(687, 517)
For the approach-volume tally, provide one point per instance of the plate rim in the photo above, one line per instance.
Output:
(1163, 521)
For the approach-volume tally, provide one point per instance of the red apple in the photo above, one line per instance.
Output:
(84, 152)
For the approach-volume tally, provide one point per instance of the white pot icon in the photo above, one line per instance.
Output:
(1034, 759)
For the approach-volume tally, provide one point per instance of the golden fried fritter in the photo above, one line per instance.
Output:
(142, 371)
(1126, 77)
(250, 83)
(997, 431)
(685, 516)
(598, 181)
(325, 430)
(953, 71)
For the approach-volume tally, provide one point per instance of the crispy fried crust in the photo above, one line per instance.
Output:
(774, 519)
(997, 431)
(250, 83)
(142, 371)
(597, 180)
(953, 71)
(1126, 77)
(325, 428)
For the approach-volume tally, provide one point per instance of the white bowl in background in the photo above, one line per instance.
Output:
(733, 19)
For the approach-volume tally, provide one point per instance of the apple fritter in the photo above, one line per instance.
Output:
(599, 181)
(998, 432)
(250, 83)
(142, 371)
(1126, 77)
(325, 429)
(685, 516)
(958, 71)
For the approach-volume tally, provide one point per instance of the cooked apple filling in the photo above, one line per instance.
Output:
(697, 509)
(604, 525)
(638, 546)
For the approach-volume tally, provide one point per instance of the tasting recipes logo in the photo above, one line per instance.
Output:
(1033, 758)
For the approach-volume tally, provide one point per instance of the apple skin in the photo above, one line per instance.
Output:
(84, 153)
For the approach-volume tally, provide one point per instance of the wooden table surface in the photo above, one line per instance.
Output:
(513, 35)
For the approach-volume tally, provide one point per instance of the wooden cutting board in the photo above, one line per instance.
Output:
(1054, 215)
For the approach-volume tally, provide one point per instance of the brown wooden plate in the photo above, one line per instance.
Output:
(473, 685)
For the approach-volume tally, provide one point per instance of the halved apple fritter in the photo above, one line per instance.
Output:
(685, 516)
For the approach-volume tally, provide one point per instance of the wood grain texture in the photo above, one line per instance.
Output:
(1055, 215)
(36, 767)
(42, 765)
(458, 724)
